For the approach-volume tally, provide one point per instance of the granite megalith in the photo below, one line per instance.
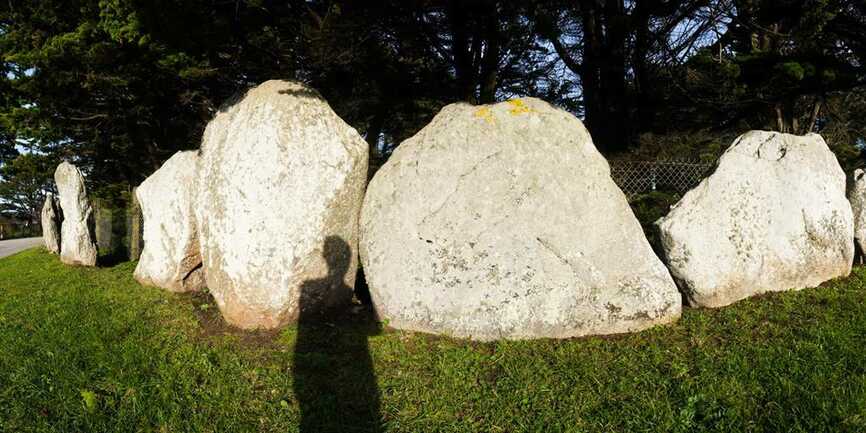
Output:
(772, 217)
(281, 176)
(77, 243)
(171, 258)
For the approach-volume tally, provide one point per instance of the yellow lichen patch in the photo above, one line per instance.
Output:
(519, 107)
(485, 114)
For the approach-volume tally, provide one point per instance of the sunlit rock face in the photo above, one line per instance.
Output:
(502, 221)
(282, 180)
(77, 243)
(171, 258)
(772, 217)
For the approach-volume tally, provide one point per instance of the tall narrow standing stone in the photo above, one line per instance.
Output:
(857, 197)
(135, 227)
(282, 181)
(51, 224)
(77, 246)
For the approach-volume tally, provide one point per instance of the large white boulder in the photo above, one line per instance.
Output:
(77, 243)
(51, 223)
(857, 198)
(502, 221)
(282, 181)
(773, 216)
(171, 258)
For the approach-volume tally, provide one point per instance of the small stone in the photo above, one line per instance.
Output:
(857, 197)
(51, 220)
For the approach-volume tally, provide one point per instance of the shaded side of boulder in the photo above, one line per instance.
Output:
(102, 216)
(171, 258)
(282, 181)
(772, 217)
(502, 221)
(77, 242)
(857, 198)
(51, 220)
(134, 239)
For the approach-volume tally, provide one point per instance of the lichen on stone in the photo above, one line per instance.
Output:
(486, 114)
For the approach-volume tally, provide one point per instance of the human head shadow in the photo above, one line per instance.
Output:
(334, 381)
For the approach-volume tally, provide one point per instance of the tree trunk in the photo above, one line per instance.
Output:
(780, 118)
(462, 50)
(604, 76)
(813, 118)
(490, 60)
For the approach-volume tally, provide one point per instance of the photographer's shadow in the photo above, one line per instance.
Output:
(334, 380)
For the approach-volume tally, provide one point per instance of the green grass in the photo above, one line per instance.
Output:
(91, 350)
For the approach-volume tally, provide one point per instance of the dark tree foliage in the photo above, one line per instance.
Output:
(388, 67)
(26, 178)
(118, 86)
(775, 67)
(617, 47)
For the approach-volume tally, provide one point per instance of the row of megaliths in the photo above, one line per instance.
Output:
(495, 221)
(67, 219)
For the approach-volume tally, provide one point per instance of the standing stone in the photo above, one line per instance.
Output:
(772, 217)
(282, 181)
(171, 257)
(502, 221)
(77, 244)
(103, 215)
(134, 238)
(857, 197)
(51, 224)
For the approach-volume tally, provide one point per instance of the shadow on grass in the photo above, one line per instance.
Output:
(334, 380)
(333, 377)
(212, 324)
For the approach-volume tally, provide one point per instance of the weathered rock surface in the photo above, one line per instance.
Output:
(171, 258)
(772, 217)
(282, 181)
(77, 244)
(857, 198)
(502, 221)
(51, 221)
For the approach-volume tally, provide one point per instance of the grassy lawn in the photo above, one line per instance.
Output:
(91, 350)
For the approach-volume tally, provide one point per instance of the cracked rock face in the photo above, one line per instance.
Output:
(282, 181)
(51, 221)
(857, 197)
(772, 217)
(77, 243)
(502, 221)
(171, 258)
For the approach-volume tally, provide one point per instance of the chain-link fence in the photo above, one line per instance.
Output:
(638, 177)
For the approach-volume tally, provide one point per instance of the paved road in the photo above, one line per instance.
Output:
(12, 246)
